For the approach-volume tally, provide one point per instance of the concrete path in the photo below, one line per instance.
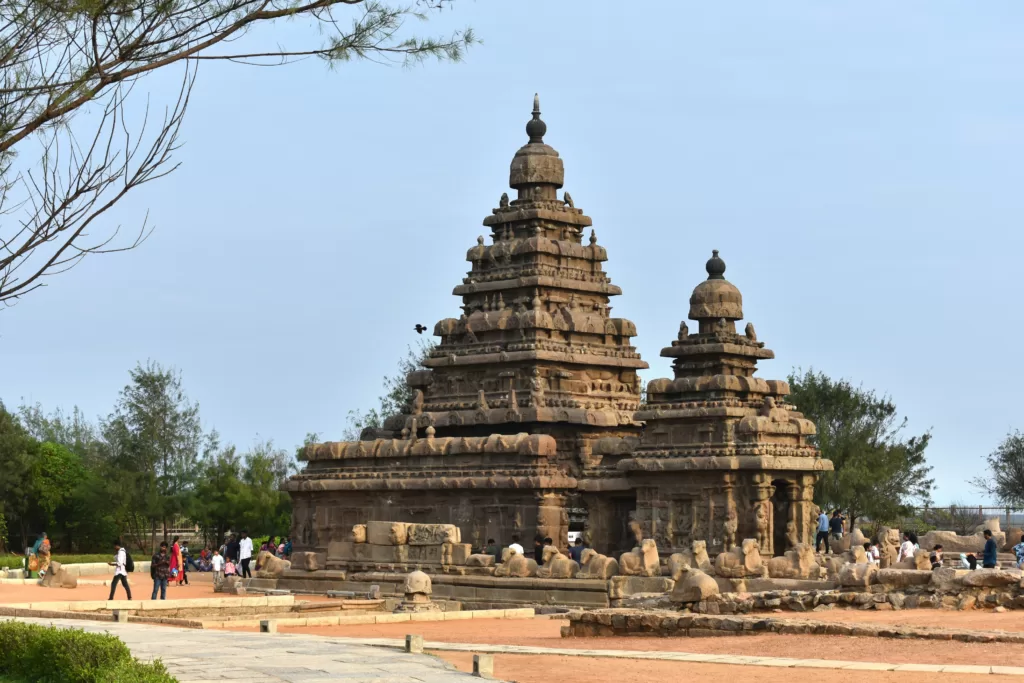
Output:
(200, 656)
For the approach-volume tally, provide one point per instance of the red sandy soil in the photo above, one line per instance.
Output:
(546, 633)
(548, 668)
(980, 619)
(142, 589)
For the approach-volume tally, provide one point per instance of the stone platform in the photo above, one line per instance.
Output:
(475, 592)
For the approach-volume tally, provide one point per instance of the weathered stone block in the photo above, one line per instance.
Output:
(341, 550)
(857, 574)
(992, 577)
(310, 562)
(387, 533)
(456, 553)
(432, 534)
(625, 586)
(430, 554)
(388, 553)
(902, 578)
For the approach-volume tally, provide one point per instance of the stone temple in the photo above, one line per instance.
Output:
(531, 405)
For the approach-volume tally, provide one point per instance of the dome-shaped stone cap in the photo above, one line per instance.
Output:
(716, 297)
(418, 582)
(536, 163)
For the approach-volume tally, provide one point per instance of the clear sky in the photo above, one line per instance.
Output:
(858, 164)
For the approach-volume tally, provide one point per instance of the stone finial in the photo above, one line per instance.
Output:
(567, 199)
(504, 200)
(750, 333)
(593, 237)
(536, 128)
(480, 240)
(715, 266)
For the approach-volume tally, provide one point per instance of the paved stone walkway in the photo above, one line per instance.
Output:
(200, 656)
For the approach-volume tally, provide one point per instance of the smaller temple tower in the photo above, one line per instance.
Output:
(723, 457)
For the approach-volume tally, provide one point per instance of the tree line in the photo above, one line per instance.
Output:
(134, 473)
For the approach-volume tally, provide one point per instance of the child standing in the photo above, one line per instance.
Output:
(218, 568)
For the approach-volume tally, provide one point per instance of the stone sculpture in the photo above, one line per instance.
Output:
(730, 527)
(515, 565)
(503, 203)
(57, 576)
(888, 547)
(417, 589)
(741, 562)
(359, 533)
(693, 586)
(271, 567)
(568, 200)
(597, 566)
(921, 560)
(480, 560)
(556, 565)
(952, 542)
(798, 563)
(792, 538)
(857, 575)
(642, 561)
(761, 525)
(695, 558)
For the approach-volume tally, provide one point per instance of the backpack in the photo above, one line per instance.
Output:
(129, 563)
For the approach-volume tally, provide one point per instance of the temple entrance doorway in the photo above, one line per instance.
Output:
(780, 515)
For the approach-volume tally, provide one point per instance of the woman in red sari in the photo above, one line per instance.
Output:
(177, 571)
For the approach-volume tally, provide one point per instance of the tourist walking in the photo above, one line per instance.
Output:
(990, 558)
(120, 565)
(245, 554)
(217, 562)
(173, 553)
(160, 571)
(822, 533)
(835, 525)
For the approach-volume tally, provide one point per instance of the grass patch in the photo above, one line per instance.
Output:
(42, 654)
(18, 561)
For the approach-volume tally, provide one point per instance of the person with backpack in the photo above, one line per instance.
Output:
(122, 565)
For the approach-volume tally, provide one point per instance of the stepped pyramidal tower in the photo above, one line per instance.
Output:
(534, 371)
(529, 408)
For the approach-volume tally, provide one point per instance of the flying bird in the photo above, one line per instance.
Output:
(420, 329)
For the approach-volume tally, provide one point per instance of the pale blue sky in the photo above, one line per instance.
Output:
(857, 164)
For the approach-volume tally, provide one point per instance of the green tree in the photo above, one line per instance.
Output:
(63, 59)
(879, 472)
(1005, 478)
(268, 509)
(17, 453)
(396, 394)
(221, 497)
(157, 443)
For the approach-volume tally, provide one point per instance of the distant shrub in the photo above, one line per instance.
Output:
(40, 654)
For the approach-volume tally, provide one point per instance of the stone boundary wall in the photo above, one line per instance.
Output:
(614, 623)
(77, 570)
(99, 606)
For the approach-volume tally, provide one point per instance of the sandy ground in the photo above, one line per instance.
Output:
(545, 669)
(546, 633)
(142, 589)
(981, 619)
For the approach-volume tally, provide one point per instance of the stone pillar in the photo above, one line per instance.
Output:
(762, 501)
(801, 507)
(553, 519)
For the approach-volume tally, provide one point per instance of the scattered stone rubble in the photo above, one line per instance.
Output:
(664, 623)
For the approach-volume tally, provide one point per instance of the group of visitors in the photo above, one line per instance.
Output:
(540, 542)
(829, 527)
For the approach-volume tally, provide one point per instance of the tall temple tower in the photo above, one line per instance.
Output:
(498, 438)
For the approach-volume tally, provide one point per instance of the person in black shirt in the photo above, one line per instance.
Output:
(538, 549)
(231, 551)
(835, 525)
